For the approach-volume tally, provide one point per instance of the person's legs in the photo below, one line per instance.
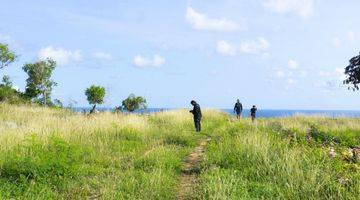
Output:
(238, 115)
(197, 125)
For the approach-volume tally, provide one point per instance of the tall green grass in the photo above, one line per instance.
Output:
(273, 160)
(56, 154)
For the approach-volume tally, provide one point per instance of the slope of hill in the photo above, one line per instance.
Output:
(56, 154)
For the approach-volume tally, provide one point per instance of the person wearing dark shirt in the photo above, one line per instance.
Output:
(253, 113)
(196, 111)
(238, 109)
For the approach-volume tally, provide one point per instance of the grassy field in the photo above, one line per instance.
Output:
(56, 154)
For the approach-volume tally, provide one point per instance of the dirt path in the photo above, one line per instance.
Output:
(189, 176)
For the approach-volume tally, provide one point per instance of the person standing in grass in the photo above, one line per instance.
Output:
(196, 111)
(238, 109)
(253, 113)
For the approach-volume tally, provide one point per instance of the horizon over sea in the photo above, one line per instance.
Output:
(261, 113)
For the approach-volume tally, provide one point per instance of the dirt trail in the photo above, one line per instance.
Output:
(189, 176)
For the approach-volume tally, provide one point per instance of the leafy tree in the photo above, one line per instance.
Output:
(6, 56)
(58, 103)
(39, 83)
(352, 72)
(6, 81)
(133, 103)
(9, 94)
(95, 95)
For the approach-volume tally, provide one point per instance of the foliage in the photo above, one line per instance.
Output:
(353, 73)
(133, 103)
(8, 93)
(58, 103)
(95, 94)
(6, 81)
(6, 56)
(39, 83)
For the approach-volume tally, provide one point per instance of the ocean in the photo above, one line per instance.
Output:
(265, 113)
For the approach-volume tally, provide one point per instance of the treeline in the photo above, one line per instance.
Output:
(39, 86)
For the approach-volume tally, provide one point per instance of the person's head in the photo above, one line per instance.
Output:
(193, 102)
(254, 106)
(238, 100)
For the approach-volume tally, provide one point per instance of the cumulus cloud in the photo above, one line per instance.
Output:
(201, 21)
(293, 64)
(351, 36)
(142, 61)
(290, 74)
(225, 48)
(102, 55)
(331, 79)
(302, 8)
(260, 45)
(60, 55)
(291, 81)
(5, 38)
(9, 40)
(336, 42)
(338, 73)
(279, 73)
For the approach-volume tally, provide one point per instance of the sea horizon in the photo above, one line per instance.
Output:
(261, 113)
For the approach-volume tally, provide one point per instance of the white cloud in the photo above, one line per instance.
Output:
(280, 73)
(351, 36)
(293, 64)
(102, 55)
(142, 61)
(302, 8)
(5, 38)
(158, 61)
(258, 46)
(336, 42)
(291, 81)
(60, 55)
(225, 48)
(9, 40)
(290, 74)
(338, 73)
(201, 21)
(253, 47)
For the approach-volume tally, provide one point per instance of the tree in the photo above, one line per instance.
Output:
(39, 82)
(95, 95)
(133, 103)
(6, 81)
(352, 72)
(6, 56)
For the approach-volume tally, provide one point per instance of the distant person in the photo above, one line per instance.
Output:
(238, 108)
(253, 113)
(196, 111)
(118, 109)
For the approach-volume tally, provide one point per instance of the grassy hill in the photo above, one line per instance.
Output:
(56, 154)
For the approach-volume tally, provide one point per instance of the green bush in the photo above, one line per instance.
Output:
(10, 95)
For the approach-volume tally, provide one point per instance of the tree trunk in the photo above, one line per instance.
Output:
(93, 109)
(44, 94)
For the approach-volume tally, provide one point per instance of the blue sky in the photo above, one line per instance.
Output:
(285, 54)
